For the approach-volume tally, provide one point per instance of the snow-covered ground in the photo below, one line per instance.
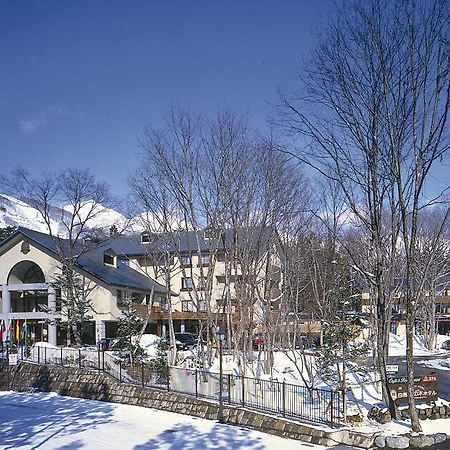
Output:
(438, 363)
(46, 420)
(397, 345)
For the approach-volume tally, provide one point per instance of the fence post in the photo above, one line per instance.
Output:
(120, 371)
(98, 358)
(196, 383)
(243, 390)
(103, 360)
(62, 356)
(79, 358)
(229, 388)
(39, 354)
(142, 373)
(168, 378)
(284, 398)
(332, 406)
(45, 355)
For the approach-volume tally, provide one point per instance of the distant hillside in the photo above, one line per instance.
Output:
(15, 213)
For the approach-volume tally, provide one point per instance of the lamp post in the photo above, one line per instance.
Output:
(220, 338)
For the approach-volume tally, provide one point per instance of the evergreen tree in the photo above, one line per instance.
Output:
(6, 232)
(161, 365)
(340, 347)
(128, 329)
(74, 302)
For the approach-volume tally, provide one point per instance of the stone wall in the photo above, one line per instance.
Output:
(98, 386)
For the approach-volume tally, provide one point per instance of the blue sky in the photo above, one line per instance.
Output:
(79, 80)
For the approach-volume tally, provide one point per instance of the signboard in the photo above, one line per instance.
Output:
(425, 388)
(392, 368)
(12, 359)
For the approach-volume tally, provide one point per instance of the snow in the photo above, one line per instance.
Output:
(149, 342)
(438, 363)
(43, 344)
(397, 345)
(16, 213)
(152, 221)
(47, 420)
(101, 217)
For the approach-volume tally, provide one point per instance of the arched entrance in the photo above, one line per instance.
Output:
(26, 272)
(29, 305)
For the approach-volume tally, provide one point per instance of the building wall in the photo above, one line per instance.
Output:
(194, 271)
(14, 256)
(103, 297)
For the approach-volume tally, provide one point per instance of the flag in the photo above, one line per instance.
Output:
(17, 330)
(3, 331)
(23, 332)
(8, 330)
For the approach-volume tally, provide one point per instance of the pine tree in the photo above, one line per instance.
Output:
(340, 347)
(74, 302)
(6, 232)
(161, 365)
(128, 328)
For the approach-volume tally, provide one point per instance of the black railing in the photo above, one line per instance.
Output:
(269, 396)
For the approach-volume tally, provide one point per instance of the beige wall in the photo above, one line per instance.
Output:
(103, 297)
(12, 257)
(194, 271)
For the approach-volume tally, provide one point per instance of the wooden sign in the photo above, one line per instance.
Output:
(425, 389)
(392, 368)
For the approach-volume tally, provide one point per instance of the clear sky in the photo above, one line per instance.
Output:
(79, 80)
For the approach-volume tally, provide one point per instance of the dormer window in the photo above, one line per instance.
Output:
(110, 258)
(210, 233)
(147, 237)
(185, 260)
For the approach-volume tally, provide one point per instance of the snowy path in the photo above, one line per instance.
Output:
(48, 421)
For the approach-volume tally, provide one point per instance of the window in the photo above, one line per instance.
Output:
(185, 260)
(163, 303)
(121, 297)
(186, 283)
(202, 306)
(204, 260)
(201, 284)
(109, 258)
(187, 306)
(148, 238)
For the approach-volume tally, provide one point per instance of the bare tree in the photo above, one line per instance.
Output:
(432, 268)
(372, 116)
(69, 203)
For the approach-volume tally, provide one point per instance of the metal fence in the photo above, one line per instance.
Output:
(269, 396)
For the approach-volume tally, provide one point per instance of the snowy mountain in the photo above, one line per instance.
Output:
(15, 213)
(100, 217)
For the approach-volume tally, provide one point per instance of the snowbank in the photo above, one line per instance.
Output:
(397, 345)
(44, 344)
(149, 342)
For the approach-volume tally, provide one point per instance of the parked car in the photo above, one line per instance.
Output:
(446, 345)
(188, 340)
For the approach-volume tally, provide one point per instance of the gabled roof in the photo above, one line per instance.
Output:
(187, 242)
(91, 261)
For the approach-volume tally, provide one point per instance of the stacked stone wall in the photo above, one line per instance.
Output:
(98, 386)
